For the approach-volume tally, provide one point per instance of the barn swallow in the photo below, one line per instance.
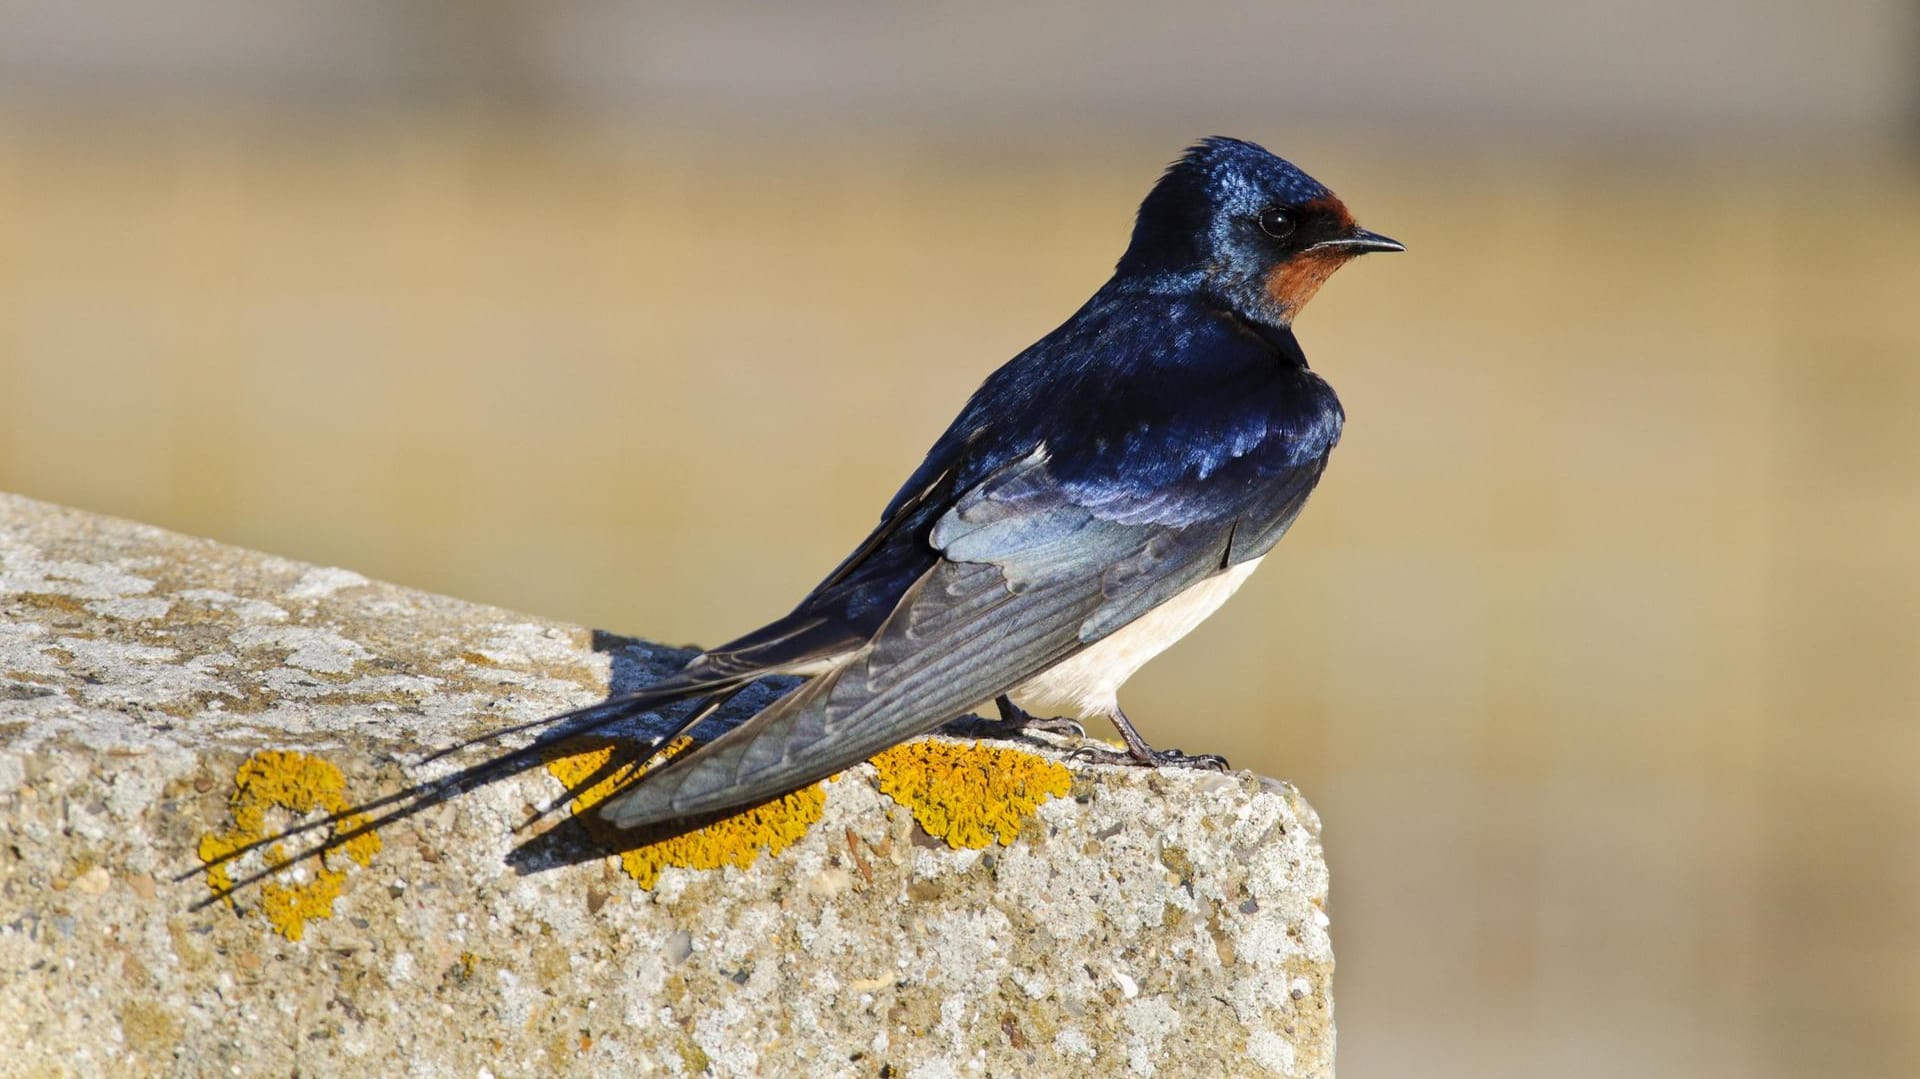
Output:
(1097, 498)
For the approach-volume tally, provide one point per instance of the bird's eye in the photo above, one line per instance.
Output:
(1275, 223)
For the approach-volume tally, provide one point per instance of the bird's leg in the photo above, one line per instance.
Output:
(1139, 752)
(1015, 721)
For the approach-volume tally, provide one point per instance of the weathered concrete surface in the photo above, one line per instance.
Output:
(1148, 924)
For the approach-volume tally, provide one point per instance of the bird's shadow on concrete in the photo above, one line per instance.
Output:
(633, 735)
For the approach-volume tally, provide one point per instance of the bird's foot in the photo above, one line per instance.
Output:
(1016, 722)
(1138, 752)
(1154, 758)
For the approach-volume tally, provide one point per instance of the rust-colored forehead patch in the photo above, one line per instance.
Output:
(1327, 204)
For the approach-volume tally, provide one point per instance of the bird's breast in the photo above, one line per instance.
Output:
(1088, 683)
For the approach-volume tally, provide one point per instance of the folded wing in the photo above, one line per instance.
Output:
(1028, 571)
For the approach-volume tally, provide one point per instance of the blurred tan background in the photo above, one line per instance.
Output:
(1597, 649)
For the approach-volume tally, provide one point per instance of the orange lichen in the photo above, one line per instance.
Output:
(298, 784)
(735, 840)
(969, 795)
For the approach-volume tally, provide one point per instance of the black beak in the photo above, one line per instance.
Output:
(1359, 242)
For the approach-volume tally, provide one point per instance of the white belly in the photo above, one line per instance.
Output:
(1088, 684)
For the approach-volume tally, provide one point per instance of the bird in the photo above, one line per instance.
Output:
(1098, 497)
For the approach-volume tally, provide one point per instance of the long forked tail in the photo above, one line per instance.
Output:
(710, 695)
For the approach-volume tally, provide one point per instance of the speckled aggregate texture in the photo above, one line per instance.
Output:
(1147, 923)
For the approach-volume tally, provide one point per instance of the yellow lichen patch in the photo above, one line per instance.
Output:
(274, 779)
(969, 795)
(733, 840)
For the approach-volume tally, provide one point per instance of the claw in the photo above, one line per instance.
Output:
(1161, 758)
(1212, 762)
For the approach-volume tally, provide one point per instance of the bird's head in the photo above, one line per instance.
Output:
(1262, 234)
